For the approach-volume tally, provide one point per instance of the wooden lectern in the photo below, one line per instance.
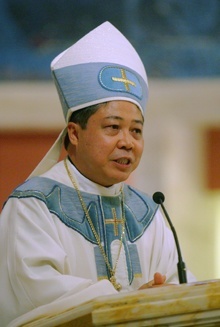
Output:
(193, 304)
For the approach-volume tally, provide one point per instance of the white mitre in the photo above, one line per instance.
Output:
(102, 66)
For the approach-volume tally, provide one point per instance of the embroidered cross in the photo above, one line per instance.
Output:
(114, 221)
(124, 80)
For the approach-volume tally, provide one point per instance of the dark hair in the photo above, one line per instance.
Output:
(81, 117)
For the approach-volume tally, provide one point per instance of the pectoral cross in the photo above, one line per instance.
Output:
(124, 80)
(114, 221)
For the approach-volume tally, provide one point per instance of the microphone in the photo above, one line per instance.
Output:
(159, 198)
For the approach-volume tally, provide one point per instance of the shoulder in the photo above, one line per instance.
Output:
(135, 196)
(41, 188)
(140, 211)
(36, 185)
(57, 197)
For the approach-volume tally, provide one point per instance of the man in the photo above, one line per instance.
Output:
(74, 231)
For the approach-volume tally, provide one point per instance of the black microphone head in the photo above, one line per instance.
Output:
(158, 197)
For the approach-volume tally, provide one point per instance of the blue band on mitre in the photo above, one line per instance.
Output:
(82, 85)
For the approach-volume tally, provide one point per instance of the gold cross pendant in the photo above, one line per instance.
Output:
(116, 285)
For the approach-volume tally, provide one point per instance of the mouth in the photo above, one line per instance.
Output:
(123, 161)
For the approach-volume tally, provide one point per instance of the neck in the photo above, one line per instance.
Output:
(89, 186)
(84, 175)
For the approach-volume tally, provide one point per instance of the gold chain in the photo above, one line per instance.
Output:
(112, 271)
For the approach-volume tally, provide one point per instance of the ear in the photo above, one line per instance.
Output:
(73, 131)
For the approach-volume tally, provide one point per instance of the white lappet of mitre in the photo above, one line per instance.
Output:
(102, 66)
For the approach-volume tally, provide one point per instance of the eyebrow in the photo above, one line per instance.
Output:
(138, 121)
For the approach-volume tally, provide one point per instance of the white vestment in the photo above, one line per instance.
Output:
(48, 267)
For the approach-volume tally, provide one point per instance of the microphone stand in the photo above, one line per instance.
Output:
(181, 267)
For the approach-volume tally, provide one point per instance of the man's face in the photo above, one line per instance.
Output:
(110, 147)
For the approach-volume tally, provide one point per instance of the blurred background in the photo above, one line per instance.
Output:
(179, 43)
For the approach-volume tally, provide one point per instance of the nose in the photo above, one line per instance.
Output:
(125, 141)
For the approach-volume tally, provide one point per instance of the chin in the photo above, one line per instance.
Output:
(114, 178)
(120, 179)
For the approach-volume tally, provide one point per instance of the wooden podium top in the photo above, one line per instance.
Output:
(194, 304)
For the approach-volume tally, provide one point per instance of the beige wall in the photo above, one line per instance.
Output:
(174, 160)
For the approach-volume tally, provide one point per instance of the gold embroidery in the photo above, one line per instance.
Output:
(124, 80)
(114, 221)
(112, 271)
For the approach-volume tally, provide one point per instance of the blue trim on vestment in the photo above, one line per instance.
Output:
(63, 202)
(60, 200)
